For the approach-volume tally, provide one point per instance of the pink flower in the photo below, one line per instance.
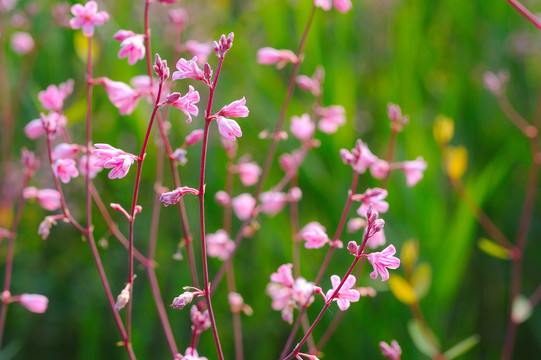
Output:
(243, 205)
(94, 169)
(121, 95)
(376, 240)
(302, 127)
(33, 302)
(45, 226)
(200, 320)
(315, 236)
(191, 354)
(173, 197)
(110, 157)
(188, 70)
(284, 275)
(341, 5)
(270, 56)
(186, 103)
(179, 17)
(228, 128)
(495, 83)
(180, 156)
(220, 245)
(383, 260)
(302, 291)
(29, 161)
(346, 294)
(248, 172)
(413, 170)
(194, 137)
(380, 169)
(65, 169)
(53, 97)
(22, 42)
(236, 109)
(312, 84)
(290, 161)
(49, 199)
(132, 47)
(34, 129)
(372, 196)
(186, 297)
(356, 224)
(222, 198)
(360, 158)
(64, 151)
(392, 351)
(87, 16)
(200, 50)
(331, 118)
(272, 202)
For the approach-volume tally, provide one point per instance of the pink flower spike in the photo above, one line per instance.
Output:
(315, 236)
(346, 294)
(220, 245)
(413, 170)
(243, 205)
(331, 118)
(87, 16)
(188, 70)
(270, 56)
(392, 352)
(302, 127)
(383, 260)
(372, 196)
(33, 302)
(249, 173)
(284, 275)
(228, 128)
(110, 157)
(133, 48)
(65, 169)
(22, 42)
(194, 137)
(236, 109)
(200, 50)
(173, 197)
(186, 103)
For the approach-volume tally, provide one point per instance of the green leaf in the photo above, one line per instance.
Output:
(421, 279)
(522, 309)
(491, 248)
(462, 347)
(423, 339)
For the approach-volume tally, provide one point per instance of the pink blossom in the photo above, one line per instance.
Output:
(413, 170)
(180, 156)
(132, 47)
(248, 172)
(341, 5)
(392, 351)
(173, 197)
(49, 199)
(360, 158)
(191, 354)
(236, 109)
(222, 198)
(194, 137)
(179, 17)
(294, 194)
(64, 151)
(22, 42)
(237, 304)
(270, 56)
(346, 294)
(87, 16)
(315, 236)
(186, 103)
(380, 169)
(302, 291)
(110, 157)
(331, 118)
(376, 240)
(243, 205)
(383, 260)
(188, 70)
(290, 161)
(53, 97)
(200, 320)
(284, 275)
(223, 45)
(272, 202)
(186, 297)
(495, 83)
(220, 245)
(45, 226)
(374, 196)
(121, 95)
(200, 50)
(34, 302)
(29, 161)
(228, 128)
(94, 169)
(312, 84)
(65, 169)
(355, 224)
(34, 129)
(302, 127)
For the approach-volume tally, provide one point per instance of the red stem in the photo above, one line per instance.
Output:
(526, 13)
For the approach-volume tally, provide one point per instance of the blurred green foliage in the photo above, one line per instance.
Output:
(427, 56)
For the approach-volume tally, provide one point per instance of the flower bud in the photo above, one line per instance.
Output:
(171, 98)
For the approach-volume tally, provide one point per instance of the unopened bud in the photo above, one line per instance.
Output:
(207, 71)
(123, 298)
(171, 98)
(353, 248)
(182, 300)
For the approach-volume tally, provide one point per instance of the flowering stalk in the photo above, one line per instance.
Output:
(526, 13)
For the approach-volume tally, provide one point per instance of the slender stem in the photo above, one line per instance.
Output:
(272, 148)
(5, 103)
(535, 297)
(389, 156)
(88, 192)
(295, 241)
(528, 130)
(9, 256)
(526, 13)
